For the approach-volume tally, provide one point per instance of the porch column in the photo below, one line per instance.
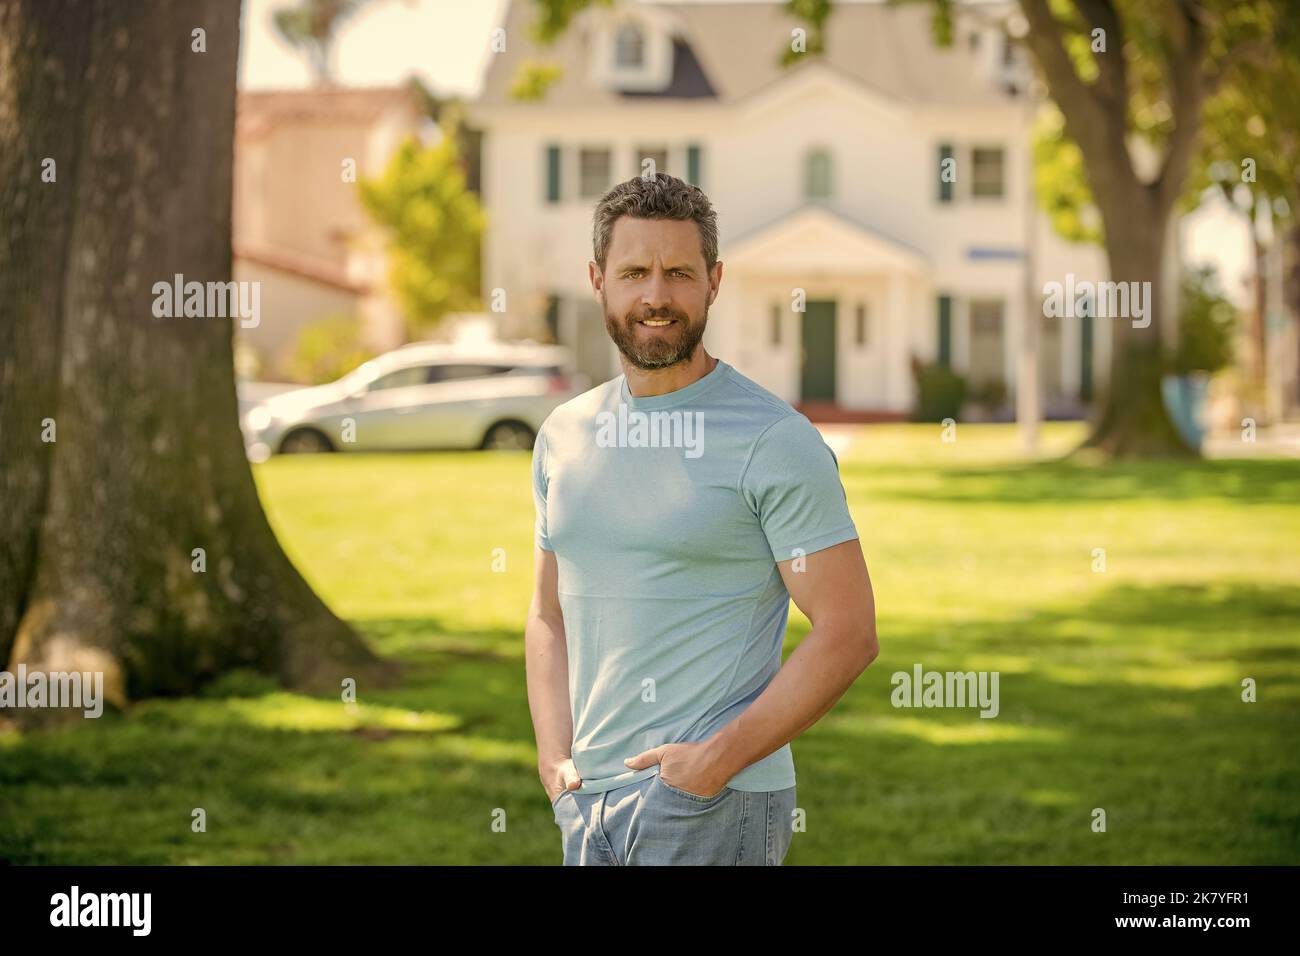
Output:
(898, 339)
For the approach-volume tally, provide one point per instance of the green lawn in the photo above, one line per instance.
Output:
(1119, 690)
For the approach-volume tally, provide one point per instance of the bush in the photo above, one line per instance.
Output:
(328, 349)
(990, 394)
(939, 392)
(1205, 325)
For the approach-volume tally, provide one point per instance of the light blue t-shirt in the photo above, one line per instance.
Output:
(667, 515)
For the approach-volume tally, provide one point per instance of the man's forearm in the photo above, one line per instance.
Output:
(546, 665)
(816, 675)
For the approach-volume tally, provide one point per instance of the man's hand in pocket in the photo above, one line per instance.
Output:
(560, 775)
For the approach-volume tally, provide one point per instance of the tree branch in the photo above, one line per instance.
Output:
(1090, 120)
(1187, 91)
(1112, 72)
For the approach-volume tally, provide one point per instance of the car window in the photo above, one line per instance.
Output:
(402, 377)
(457, 373)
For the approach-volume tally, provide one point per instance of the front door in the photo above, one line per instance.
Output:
(817, 372)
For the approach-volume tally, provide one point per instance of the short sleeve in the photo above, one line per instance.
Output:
(792, 484)
(539, 490)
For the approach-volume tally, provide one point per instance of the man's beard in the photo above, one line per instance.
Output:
(669, 346)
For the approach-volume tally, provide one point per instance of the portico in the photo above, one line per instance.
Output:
(823, 310)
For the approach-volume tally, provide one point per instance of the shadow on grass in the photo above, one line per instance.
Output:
(1269, 481)
(1144, 720)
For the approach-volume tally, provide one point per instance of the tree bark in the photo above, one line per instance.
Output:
(1131, 421)
(99, 526)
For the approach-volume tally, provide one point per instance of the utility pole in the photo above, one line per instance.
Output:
(1028, 400)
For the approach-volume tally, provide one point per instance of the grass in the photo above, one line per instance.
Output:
(1120, 689)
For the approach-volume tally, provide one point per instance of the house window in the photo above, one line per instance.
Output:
(817, 175)
(593, 172)
(693, 152)
(629, 47)
(945, 331)
(860, 325)
(947, 172)
(552, 174)
(1008, 51)
(659, 154)
(986, 172)
(776, 324)
(986, 345)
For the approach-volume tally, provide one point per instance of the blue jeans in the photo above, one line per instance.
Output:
(652, 823)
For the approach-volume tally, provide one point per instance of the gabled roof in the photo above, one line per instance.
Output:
(816, 238)
(736, 48)
(259, 111)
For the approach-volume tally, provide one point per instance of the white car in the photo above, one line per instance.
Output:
(426, 395)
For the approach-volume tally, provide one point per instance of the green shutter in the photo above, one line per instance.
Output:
(553, 317)
(945, 331)
(1085, 358)
(945, 188)
(693, 164)
(552, 174)
(817, 175)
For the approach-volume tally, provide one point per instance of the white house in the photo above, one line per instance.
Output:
(826, 177)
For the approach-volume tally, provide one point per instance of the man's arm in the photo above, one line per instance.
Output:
(834, 591)
(546, 664)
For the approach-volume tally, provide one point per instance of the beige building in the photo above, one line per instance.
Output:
(299, 227)
(874, 203)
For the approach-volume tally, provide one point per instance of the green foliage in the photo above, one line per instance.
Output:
(533, 79)
(312, 25)
(435, 226)
(990, 394)
(939, 392)
(327, 349)
(554, 16)
(812, 14)
(1205, 324)
(1061, 181)
(1251, 136)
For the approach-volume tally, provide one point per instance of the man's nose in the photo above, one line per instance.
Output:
(655, 295)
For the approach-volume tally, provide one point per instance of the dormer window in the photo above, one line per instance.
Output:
(629, 47)
(817, 174)
(632, 52)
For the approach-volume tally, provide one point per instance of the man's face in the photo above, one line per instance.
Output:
(656, 290)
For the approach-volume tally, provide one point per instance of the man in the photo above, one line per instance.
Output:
(680, 507)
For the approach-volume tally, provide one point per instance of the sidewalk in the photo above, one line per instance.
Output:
(1275, 441)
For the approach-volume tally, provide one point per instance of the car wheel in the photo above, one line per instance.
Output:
(305, 441)
(509, 436)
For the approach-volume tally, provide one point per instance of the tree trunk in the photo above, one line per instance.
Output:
(1131, 420)
(100, 525)
(1291, 296)
(1258, 347)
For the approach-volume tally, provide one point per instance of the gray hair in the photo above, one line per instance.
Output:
(663, 197)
